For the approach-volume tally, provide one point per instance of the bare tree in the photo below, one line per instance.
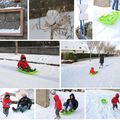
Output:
(91, 46)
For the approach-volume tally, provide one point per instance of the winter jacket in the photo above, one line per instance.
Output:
(23, 64)
(58, 103)
(25, 101)
(6, 102)
(115, 99)
(101, 59)
(73, 101)
(92, 71)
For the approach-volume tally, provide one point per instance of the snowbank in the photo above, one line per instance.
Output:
(49, 59)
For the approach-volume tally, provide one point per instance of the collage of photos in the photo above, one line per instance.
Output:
(59, 59)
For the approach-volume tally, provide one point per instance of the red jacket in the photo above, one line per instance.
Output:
(23, 64)
(92, 71)
(115, 99)
(6, 103)
(58, 103)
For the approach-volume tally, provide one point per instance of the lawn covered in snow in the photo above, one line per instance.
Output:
(49, 112)
(48, 75)
(77, 74)
(96, 110)
(44, 32)
(103, 32)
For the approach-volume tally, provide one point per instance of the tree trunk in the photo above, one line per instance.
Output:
(52, 32)
(16, 47)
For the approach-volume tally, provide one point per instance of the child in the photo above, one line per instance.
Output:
(115, 5)
(92, 71)
(71, 102)
(115, 100)
(101, 61)
(23, 64)
(6, 103)
(58, 105)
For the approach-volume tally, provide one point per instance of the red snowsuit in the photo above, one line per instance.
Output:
(6, 102)
(23, 64)
(58, 103)
(115, 99)
(92, 71)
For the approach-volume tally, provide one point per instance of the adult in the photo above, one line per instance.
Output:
(115, 5)
(101, 60)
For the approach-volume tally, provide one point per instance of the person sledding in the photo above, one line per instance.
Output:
(114, 101)
(23, 64)
(58, 105)
(6, 102)
(23, 105)
(71, 104)
(92, 71)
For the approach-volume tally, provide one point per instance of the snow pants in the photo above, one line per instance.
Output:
(70, 105)
(22, 108)
(6, 111)
(115, 5)
(115, 106)
(57, 112)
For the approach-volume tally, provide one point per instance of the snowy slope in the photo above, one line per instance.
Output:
(44, 33)
(102, 32)
(49, 112)
(77, 74)
(48, 76)
(96, 110)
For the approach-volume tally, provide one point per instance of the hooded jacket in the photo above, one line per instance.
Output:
(6, 102)
(92, 71)
(25, 101)
(58, 103)
(73, 101)
(115, 99)
(23, 64)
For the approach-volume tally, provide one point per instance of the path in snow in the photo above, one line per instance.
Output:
(96, 110)
(49, 112)
(48, 76)
(77, 74)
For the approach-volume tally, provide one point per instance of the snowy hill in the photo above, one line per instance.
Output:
(96, 110)
(77, 74)
(49, 112)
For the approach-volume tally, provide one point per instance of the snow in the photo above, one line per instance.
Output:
(96, 110)
(77, 74)
(10, 30)
(49, 112)
(48, 59)
(48, 75)
(12, 115)
(44, 32)
(103, 32)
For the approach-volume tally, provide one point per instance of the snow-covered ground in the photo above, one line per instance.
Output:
(48, 76)
(44, 33)
(10, 30)
(96, 110)
(77, 74)
(48, 59)
(12, 115)
(49, 112)
(103, 32)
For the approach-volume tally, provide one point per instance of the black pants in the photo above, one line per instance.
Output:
(57, 112)
(6, 111)
(115, 106)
